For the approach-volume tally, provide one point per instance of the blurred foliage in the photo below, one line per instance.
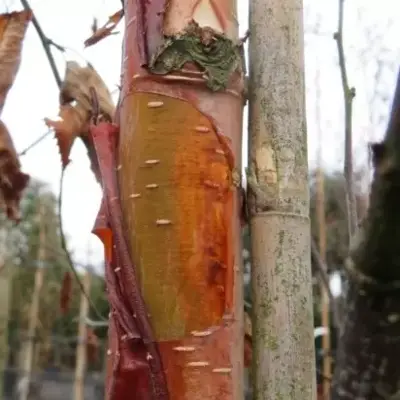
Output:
(20, 245)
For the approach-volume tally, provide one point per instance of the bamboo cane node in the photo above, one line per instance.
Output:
(273, 213)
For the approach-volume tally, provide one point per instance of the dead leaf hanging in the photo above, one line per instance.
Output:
(12, 32)
(105, 30)
(76, 110)
(12, 180)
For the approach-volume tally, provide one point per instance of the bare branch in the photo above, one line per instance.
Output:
(36, 142)
(45, 43)
(349, 94)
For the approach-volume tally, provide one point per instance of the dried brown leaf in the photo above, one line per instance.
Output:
(73, 123)
(12, 32)
(105, 30)
(12, 180)
(76, 110)
(66, 293)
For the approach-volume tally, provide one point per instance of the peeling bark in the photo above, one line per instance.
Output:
(177, 163)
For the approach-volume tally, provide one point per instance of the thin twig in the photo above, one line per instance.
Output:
(68, 255)
(322, 271)
(349, 94)
(45, 43)
(33, 144)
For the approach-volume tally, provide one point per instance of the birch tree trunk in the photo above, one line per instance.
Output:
(283, 356)
(180, 118)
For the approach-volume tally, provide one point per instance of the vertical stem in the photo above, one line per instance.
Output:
(284, 357)
(349, 94)
(34, 309)
(80, 369)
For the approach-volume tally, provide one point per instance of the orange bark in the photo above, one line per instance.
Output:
(179, 153)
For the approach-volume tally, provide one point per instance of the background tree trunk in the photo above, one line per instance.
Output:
(369, 346)
(283, 357)
(180, 117)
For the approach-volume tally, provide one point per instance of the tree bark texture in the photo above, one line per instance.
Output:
(367, 359)
(283, 356)
(178, 157)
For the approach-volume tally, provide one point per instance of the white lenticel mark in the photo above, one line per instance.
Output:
(155, 104)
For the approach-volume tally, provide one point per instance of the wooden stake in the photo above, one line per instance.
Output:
(279, 205)
(34, 310)
(81, 359)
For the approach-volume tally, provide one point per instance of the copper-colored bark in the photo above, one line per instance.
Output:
(179, 153)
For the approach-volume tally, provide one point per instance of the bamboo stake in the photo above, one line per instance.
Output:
(284, 358)
(81, 359)
(34, 310)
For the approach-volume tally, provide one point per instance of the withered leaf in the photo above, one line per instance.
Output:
(66, 293)
(76, 110)
(12, 32)
(12, 180)
(105, 30)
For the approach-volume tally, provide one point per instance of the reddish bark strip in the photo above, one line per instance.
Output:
(178, 157)
(124, 294)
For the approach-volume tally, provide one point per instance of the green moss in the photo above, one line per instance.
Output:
(217, 55)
